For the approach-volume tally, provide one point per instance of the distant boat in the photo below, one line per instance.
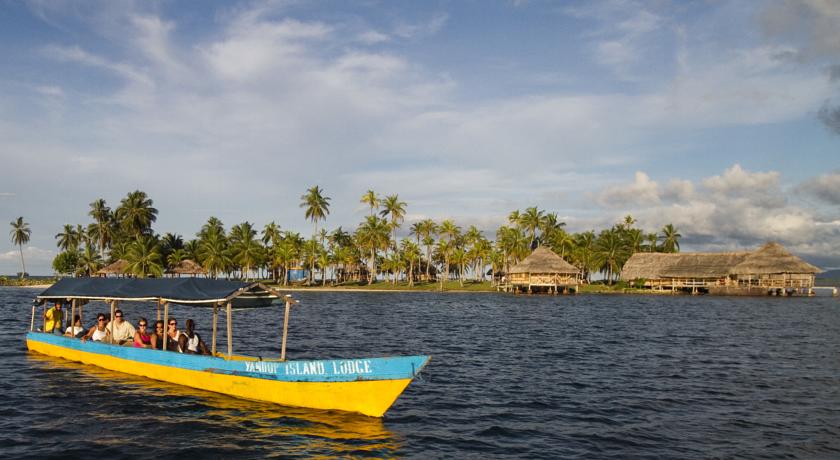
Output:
(368, 386)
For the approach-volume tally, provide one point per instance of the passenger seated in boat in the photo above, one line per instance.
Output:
(158, 336)
(76, 330)
(190, 342)
(142, 339)
(172, 335)
(121, 330)
(53, 318)
(99, 332)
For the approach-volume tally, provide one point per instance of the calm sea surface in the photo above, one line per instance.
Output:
(531, 377)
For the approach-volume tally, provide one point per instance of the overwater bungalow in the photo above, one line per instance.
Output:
(769, 270)
(543, 270)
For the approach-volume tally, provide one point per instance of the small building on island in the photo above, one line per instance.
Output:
(118, 269)
(771, 269)
(545, 271)
(187, 267)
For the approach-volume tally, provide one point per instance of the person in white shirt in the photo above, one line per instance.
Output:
(122, 331)
(76, 330)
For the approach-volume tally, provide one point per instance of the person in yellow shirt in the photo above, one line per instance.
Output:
(54, 318)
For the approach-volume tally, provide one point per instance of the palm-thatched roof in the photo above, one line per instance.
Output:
(703, 265)
(647, 265)
(772, 258)
(187, 267)
(117, 268)
(543, 260)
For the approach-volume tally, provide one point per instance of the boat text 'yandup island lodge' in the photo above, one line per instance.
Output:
(769, 270)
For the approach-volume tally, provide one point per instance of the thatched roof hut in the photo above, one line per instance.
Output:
(647, 265)
(187, 267)
(117, 268)
(544, 260)
(772, 258)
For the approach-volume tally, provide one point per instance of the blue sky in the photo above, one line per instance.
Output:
(720, 117)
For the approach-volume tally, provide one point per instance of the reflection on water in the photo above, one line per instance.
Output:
(154, 402)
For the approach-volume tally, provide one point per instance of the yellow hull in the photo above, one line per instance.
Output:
(368, 397)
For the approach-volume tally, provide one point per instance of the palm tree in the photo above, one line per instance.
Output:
(89, 262)
(102, 218)
(550, 226)
(20, 235)
(480, 252)
(459, 258)
(531, 220)
(670, 239)
(317, 208)
(68, 239)
(214, 254)
(136, 214)
(144, 257)
(283, 254)
(393, 207)
(373, 234)
(411, 254)
(584, 253)
(213, 226)
(428, 229)
(610, 253)
(444, 250)
(176, 257)
(652, 239)
(370, 199)
(270, 234)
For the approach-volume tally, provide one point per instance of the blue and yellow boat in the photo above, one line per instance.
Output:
(365, 385)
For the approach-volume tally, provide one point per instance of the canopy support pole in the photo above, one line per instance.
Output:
(72, 318)
(229, 329)
(165, 324)
(111, 323)
(285, 327)
(215, 328)
(158, 311)
(81, 314)
(44, 328)
(32, 324)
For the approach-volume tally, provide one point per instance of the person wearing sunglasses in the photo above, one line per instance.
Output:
(99, 332)
(121, 330)
(142, 338)
(158, 335)
(172, 335)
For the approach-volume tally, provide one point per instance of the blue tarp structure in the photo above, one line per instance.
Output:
(188, 290)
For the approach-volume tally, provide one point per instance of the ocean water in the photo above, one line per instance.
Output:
(510, 377)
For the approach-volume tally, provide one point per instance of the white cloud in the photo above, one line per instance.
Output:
(825, 187)
(30, 254)
(421, 29)
(642, 190)
(372, 37)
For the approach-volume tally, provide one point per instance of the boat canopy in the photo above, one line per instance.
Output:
(198, 291)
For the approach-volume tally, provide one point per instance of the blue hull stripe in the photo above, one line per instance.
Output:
(330, 370)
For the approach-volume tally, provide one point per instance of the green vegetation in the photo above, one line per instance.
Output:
(436, 255)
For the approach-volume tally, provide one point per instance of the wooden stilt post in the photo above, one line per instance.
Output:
(215, 329)
(285, 327)
(111, 323)
(165, 324)
(229, 329)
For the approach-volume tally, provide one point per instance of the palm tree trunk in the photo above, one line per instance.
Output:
(22, 263)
